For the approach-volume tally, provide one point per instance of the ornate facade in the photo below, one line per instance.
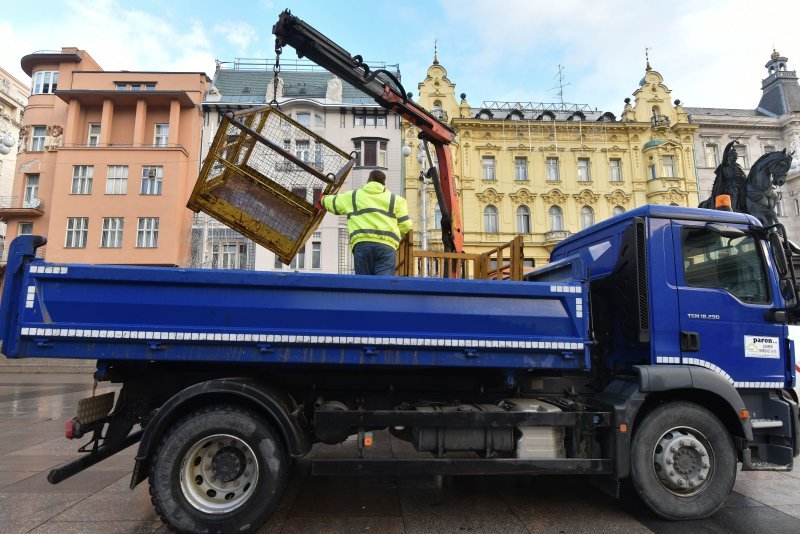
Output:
(546, 171)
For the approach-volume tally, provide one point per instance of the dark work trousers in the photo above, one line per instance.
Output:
(374, 258)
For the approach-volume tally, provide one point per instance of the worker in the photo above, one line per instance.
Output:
(376, 220)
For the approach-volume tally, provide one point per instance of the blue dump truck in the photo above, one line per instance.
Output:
(656, 347)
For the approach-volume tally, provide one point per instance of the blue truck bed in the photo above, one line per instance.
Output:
(173, 314)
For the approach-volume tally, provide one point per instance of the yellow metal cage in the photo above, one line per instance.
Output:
(263, 175)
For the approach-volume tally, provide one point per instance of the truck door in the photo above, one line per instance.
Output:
(724, 289)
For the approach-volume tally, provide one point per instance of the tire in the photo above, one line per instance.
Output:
(200, 481)
(683, 463)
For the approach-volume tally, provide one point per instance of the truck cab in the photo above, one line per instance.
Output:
(683, 288)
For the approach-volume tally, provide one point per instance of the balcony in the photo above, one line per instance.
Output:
(554, 236)
(21, 206)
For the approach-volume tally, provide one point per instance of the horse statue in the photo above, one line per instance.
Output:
(768, 172)
(756, 195)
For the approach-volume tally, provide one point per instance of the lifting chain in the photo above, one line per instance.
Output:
(276, 70)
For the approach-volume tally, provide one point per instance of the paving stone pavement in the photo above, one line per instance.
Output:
(33, 408)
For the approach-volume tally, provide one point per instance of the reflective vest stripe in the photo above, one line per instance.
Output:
(375, 232)
(334, 206)
(403, 219)
(391, 206)
(372, 210)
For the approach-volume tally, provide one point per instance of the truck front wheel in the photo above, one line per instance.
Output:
(683, 463)
(219, 469)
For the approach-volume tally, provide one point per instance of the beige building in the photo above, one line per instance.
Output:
(774, 124)
(13, 99)
(546, 171)
(332, 109)
(108, 161)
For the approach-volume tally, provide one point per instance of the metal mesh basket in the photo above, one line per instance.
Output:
(263, 175)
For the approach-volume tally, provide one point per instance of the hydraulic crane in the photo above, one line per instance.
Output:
(387, 91)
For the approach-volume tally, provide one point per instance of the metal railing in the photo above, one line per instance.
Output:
(16, 203)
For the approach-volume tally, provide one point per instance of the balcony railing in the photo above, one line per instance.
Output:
(119, 145)
(556, 235)
(21, 203)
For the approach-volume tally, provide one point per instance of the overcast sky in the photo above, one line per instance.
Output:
(710, 53)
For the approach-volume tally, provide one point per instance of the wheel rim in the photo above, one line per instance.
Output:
(219, 473)
(683, 461)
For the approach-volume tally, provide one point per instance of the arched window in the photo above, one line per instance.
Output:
(523, 220)
(556, 218)
(490, 219)
(437, 217)
(618, 210)
(587, 217)
(437, 109)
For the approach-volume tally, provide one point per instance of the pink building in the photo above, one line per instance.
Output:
(108, 161)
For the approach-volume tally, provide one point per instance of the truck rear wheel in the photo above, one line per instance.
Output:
(220, 469)
(683, 463)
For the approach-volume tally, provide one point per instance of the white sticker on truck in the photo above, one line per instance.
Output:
(762, 347)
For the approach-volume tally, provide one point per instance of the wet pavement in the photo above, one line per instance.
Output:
(33, 408)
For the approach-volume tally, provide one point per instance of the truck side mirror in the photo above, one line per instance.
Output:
(778, 254)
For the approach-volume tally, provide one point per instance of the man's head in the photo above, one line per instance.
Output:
(377, 176)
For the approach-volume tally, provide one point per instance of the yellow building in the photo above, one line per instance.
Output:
(546, 171)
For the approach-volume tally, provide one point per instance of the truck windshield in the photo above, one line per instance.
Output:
(733, 264)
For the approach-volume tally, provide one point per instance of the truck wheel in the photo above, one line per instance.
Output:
(218, 470)
(683, 463)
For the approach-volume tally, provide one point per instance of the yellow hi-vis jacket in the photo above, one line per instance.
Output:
(373, 214)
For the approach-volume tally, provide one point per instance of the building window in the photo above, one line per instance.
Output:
(584, 175)
(82, 179)
(112, 232)
(488, 168)
(302, 149)
(523, 220)
(490, 220)
(117, 180)
(380, 120)
(552, 170)
(618, 210)
(371, 120)
(304, 119)
(25, 228)
(94, 134)
(152, 176)
(77, 229)
(278, 263)
(587, 217)
(121, 86)
(556, 218)
(370, 153)
(31, 198)
(744, 161)
(227, 255)
(299, 260)
(796, 207)
(712, 160)
(44, 82)
(38, 138)
(161, 136)
(359, 120)
(652, 171)
(520, 169)
(150, 87)
(319, 120)
(779, 210)
(669, 166)
(616, 169)
(316, 255)
(147, 234)
(437, 216)
(768, 149)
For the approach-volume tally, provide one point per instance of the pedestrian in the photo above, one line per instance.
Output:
(376, 220)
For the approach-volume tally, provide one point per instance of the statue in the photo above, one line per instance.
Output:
(767, 173)
(730, 179)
